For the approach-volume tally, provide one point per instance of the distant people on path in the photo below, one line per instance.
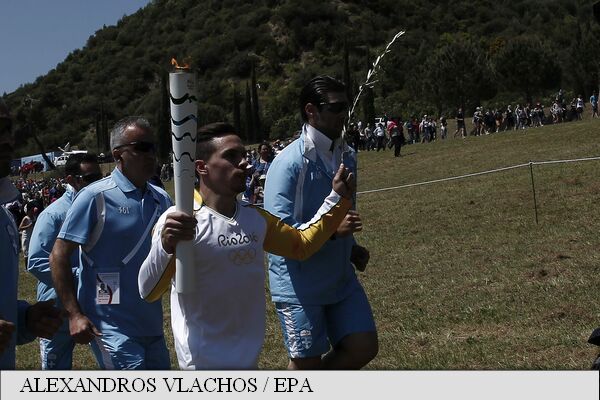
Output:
(396, 138)
(371, 139)
(460, 123)
(443, 127)
(380, 137)
(580, 106)
(594, 104)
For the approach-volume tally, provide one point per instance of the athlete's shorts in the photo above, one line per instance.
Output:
(57, 353)
(309, 330)
(114, 350)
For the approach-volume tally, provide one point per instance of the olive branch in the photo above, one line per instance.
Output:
(369, 83)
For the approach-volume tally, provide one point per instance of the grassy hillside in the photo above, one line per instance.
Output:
(461, 276)
(467, 52)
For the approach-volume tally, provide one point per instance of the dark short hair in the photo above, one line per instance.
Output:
(316, 91)
(204, 142)
(73, 164)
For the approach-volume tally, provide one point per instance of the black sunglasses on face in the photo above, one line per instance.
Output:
(89, 178)
(143, 147)
(336, 107)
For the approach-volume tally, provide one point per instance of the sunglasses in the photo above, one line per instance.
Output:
(89, 178)
(335, 108)
(143, 147)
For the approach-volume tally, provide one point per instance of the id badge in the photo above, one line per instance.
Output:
(107, 288)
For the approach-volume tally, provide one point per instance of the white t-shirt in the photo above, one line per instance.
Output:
(221, 325)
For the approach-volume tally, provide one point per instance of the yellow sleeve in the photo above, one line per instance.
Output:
(302, 242)
(163, 284)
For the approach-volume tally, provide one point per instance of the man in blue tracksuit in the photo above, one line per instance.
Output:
(19, 322)
(321, 304)
(112, 221)
(80, 170)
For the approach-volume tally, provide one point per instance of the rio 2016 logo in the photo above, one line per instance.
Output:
(236, 239)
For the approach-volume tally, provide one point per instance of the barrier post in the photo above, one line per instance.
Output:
(533, 189)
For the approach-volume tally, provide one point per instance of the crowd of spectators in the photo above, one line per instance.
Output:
(387, 132)
(379, 135)
(24, 170)
(35, 195)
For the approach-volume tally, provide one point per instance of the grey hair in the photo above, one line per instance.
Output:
(117, 132)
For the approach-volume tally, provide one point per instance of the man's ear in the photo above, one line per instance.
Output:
(71, 180)
(201, 167)
(116, 153)
(310, 109)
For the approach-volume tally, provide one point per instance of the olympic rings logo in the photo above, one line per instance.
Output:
(242, 256)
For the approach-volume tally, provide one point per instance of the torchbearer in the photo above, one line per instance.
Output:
(221, 324)
(184, 110)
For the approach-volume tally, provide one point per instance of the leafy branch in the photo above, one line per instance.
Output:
(369, 83)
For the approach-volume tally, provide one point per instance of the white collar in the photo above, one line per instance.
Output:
(322, 143)
(8, 191)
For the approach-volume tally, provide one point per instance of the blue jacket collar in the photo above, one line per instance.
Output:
(122, 182)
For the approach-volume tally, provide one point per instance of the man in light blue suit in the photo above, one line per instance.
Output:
(325, 316)
(110, 222)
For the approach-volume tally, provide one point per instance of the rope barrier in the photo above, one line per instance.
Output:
(564, 161)
(479, 174)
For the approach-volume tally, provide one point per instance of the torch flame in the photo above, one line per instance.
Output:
(177, 66)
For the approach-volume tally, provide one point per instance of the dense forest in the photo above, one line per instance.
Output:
(252, 58)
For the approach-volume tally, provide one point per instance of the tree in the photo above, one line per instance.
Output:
(582, 66)
(368, 98)
(457, 73)
(32, 117)
(163, 119)
(249, 123)
(104, 125)
(255, 107)
(528, 65)
(237, 123)
(347, 74)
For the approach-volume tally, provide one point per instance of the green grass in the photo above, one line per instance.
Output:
(461, 276)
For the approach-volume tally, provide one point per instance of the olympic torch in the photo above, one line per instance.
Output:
(184, 109)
